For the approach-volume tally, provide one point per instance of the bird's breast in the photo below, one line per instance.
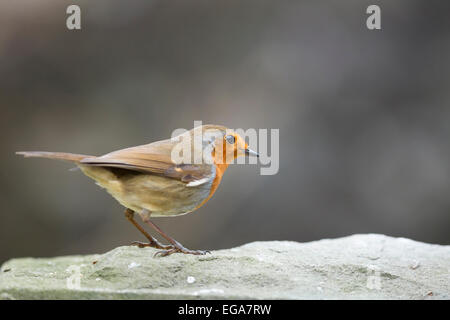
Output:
(219, 170)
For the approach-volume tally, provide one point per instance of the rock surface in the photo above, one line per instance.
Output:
(356, 267)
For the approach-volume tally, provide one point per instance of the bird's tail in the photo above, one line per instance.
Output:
(53, 155)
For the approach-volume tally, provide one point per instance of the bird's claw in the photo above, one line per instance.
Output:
(140, 244)
(168, 249)
(156, 245)
(164, 253)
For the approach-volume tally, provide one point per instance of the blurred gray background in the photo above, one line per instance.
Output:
(364, 116)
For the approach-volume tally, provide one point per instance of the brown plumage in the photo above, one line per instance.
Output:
(146, 179)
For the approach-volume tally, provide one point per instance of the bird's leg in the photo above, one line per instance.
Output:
(177, 247)
(129, 214)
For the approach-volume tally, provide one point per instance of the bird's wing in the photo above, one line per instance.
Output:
(154, 158)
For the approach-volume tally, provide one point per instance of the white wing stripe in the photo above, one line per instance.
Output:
(198, 182)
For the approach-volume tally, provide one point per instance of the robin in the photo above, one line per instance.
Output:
(152, 181)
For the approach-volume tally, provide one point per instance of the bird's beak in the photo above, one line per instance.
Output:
(250, 152)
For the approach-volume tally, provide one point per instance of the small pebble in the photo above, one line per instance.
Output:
(133, 265)
(190, 279)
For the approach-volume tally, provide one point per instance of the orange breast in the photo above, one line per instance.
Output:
(220, 170)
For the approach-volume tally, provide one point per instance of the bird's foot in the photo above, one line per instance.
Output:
(154, 244)
(180, 249)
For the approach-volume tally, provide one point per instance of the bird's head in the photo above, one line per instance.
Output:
(224, 144)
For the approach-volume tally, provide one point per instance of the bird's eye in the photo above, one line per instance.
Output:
(230, 139)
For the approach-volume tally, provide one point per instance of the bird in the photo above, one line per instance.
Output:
(165, 178)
